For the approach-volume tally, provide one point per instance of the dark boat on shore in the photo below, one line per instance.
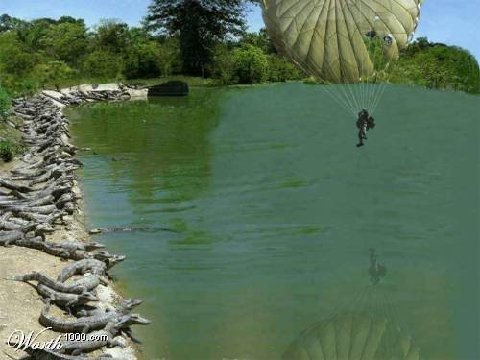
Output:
(171, 88)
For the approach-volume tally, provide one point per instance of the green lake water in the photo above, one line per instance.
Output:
(273, 210)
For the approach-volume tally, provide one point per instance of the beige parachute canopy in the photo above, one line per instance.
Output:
(331, 39)
(353, 336)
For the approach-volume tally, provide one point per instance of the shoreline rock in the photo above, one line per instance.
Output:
(42, 224)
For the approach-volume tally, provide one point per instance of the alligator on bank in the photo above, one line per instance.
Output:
(87, 323)
(118, 229)
(93, 266)
(86, 283)
(67, 301)
(104, 337)
(124, 308)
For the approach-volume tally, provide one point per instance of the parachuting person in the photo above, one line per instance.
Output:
(344, 43)
(365, 122)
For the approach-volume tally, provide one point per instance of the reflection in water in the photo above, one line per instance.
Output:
(353, 336)
(273, 210)
(365, 327)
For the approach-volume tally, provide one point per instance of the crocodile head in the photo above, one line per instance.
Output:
(86, 297)
(137, 319)
(109, 259)
(131, 303)
(94, 246)
(115, 259)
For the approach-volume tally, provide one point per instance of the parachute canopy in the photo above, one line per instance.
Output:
(339, 41)
(353, 336)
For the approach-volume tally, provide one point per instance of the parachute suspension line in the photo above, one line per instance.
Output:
(342, 100)
(343, 95)
(383, 86)
(367, 88)
(365, 78)
(347, 302)
(373, 53)
(377, 92)
(337, 98)
(364, 89)
(353, 98)
(345, 91)
(395, 315)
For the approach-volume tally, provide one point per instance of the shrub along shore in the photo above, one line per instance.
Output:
(43, 241)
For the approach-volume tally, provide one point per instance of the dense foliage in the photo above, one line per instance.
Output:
(5, 103)
(184, 37)
(437, 65)
(6, 150)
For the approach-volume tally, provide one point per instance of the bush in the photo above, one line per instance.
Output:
(223, 65)
(281, 70)
(5, 103)
(250, 64)
(103, 64)
(6, 151)
(437, 66)
(53, 73)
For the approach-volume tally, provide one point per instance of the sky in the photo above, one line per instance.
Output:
(454, 22)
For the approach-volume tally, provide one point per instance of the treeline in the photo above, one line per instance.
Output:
(48, 52)
(189, 38)
(43, 52)
(436, 65)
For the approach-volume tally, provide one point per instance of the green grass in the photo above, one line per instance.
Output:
(11, 142)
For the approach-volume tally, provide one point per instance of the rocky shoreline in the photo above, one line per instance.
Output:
(51, 270)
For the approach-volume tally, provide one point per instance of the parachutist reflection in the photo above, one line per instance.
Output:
(365, 122)
(377, 270)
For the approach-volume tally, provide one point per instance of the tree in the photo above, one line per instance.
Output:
(9, 23)
(15, 59)
(66, 41)
(261, 40)
(200, 24)
(103, 65)
(141, 58)
(251, 64)
(53, 72)
(111, 35)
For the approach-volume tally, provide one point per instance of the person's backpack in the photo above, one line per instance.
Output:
(370, 123)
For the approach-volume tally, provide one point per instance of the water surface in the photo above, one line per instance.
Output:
(273, 209)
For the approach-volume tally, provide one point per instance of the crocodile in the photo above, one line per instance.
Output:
(51, 283)
(97, 339)
(73, 245)
(9, 237)
(51, 248)
(81, 267)
(106, 257)
(124, 308)
(118, 229)
(88, 282)
(12, 186)
(65, 300)
(85, 324)
(40, 210)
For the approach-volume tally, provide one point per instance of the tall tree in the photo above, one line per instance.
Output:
(199, 24)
